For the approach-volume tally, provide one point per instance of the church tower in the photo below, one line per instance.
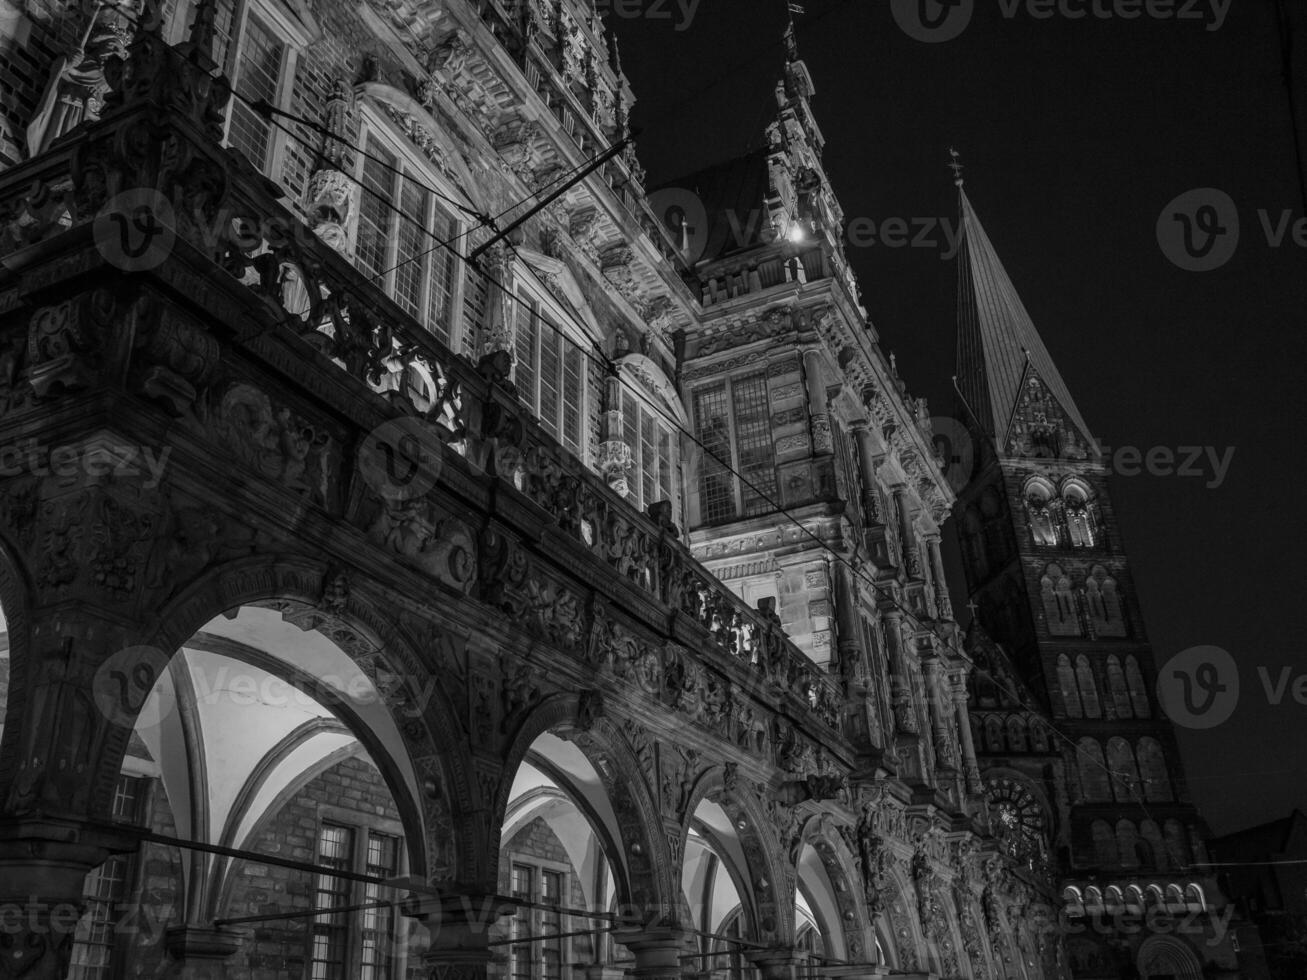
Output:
(1081, 768)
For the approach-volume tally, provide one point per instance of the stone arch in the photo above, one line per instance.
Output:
(902, 940)
(362, 624)
(644, 875)
(840, 866)
(770, 863)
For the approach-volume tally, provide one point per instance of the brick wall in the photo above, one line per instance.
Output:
(280, 949)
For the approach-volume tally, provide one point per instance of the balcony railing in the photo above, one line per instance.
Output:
(163, 112)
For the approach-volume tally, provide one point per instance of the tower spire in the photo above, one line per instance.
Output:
(1005, 372)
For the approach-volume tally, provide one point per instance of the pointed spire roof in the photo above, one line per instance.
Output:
(999, 349)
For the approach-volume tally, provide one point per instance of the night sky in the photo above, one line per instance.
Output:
(1075, 134)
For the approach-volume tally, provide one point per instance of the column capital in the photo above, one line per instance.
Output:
(196, 943)
(657, 950)
(777, 963)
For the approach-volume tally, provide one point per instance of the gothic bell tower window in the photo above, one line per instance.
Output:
(1081, 516)
(1040, 513)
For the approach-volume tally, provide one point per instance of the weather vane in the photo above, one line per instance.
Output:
(956, 166)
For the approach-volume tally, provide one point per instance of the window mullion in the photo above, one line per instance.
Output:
(392, 246)
(737, 481)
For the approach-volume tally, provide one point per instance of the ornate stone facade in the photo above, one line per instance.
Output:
(265, 444)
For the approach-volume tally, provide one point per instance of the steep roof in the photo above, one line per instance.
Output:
(732, 194)
(999, 348)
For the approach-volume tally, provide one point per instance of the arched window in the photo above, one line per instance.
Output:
(1093, 898)
(1059, 602)
(1176, 848)
(1117, 687)
(1174, 898)
(1016, 734)
(1194, 899)
(1072, 901)
(1039, 513)
(1038, 736)
(1134, 679)
(1152, 836)
(1066, 682)
(1093, 772)
(1125, 774)
(1104, 603)
(1134, 898)
(1153, 897)
(1088, 688)
(1081, 520)
(993, 734)
(1152, 769)
(1105, 855)
(1127, 844)
(1113, 900)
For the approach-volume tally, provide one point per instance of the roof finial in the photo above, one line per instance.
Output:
(956, 166)
(791, 42)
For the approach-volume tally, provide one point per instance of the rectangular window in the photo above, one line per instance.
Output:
(401, 229)
(378, 924)
(549, 372)
(330, 956)
(259, 64)
(105, 891)
(753, 441)
(712, 425)
(733, 421)
(523, 887)
(551, 925)
(650, 438)
(354, 942)
(541, 953)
